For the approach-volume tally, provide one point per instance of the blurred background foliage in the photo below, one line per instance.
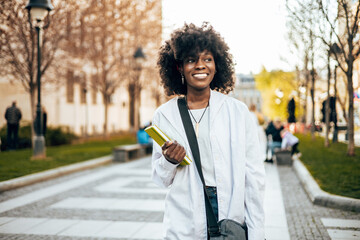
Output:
(277, 88)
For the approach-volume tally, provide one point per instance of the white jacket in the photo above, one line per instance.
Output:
(239, 171)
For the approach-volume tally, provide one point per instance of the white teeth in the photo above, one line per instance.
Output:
(200, 75)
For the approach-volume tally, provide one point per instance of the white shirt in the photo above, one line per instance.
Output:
(206, 158)
(239, 171)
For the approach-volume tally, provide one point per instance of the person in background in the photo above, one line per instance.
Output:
(142, 137)
(195, 65)
(289, 141)
(44, 121)
(12, 116)
(274, 138)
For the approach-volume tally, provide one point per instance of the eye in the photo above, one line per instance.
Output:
(208, 59)
(190, 60)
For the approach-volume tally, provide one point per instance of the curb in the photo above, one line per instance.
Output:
(53, 173)
(320, 197)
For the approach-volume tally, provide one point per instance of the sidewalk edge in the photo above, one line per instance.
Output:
(320, 197)
(53, 173)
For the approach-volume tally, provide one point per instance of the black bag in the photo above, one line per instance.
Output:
(226, 229)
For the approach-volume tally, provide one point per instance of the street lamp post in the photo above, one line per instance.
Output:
(86, 113)
(139, 57)
(38, 9)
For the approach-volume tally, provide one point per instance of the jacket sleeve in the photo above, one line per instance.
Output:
(163, 172)
(254, 183)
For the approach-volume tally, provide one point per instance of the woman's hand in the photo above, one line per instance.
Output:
(173, 152)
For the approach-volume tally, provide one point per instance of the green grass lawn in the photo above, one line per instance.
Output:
(333, 170)
(18, 163)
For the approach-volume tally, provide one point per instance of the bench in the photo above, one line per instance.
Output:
(342, 128)
(283, 157)
(124, 153)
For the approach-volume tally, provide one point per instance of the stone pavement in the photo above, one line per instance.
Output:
(118, 201)
(308, 221)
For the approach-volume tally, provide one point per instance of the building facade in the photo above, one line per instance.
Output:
(245, 90)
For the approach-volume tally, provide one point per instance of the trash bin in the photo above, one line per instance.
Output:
(283, 157)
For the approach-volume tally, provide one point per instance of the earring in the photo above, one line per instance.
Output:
(182, 79)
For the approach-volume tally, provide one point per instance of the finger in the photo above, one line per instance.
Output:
(177, 153)
(180, 155)
(168, 150)
(166, 144)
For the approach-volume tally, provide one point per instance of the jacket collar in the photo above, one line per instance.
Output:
(171, 112)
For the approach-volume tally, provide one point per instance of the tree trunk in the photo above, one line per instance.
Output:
(327, 106)
(350, 130)
(131, 92)
(307, 79)
(335, 133)
(106, 105)
(312, 92)
(137, 107)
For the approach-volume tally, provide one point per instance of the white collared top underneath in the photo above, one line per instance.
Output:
(206, 158)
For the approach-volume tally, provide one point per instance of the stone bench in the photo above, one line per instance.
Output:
(283, 157)
(124, 153)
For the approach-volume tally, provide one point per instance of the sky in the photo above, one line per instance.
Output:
(254, 30)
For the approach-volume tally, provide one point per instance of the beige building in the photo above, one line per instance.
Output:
(79, 115)
(67, 103)
(245, 90)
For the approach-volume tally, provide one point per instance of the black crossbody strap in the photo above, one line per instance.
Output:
(213, 226)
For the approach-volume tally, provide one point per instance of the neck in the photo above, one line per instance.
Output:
(198, 100)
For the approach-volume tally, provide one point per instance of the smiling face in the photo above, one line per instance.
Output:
(199, 71)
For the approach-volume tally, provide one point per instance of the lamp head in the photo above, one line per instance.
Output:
(139, 55)
(38, 9)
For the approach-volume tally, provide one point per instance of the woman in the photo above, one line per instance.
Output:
(195, 62)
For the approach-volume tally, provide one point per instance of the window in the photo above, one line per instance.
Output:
(83, 89)
(70, 86)
(93, 88)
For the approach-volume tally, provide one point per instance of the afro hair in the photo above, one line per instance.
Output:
(191, 40)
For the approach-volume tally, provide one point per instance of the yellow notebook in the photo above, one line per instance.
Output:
(160, 138)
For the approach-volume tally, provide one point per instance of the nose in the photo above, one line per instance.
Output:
(199, 64)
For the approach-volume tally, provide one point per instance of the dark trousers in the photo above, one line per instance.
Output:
(294, 149)
(12, 135)
(212, 194)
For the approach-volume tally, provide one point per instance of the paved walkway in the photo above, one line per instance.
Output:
(119, 201)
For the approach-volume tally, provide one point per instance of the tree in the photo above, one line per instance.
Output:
(111, 32)
(301, 22)
(268, 84)
(146, 32)
(18, 45)
(344, 25)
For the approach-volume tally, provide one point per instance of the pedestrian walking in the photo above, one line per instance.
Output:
(196, 66)
(12, 116)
